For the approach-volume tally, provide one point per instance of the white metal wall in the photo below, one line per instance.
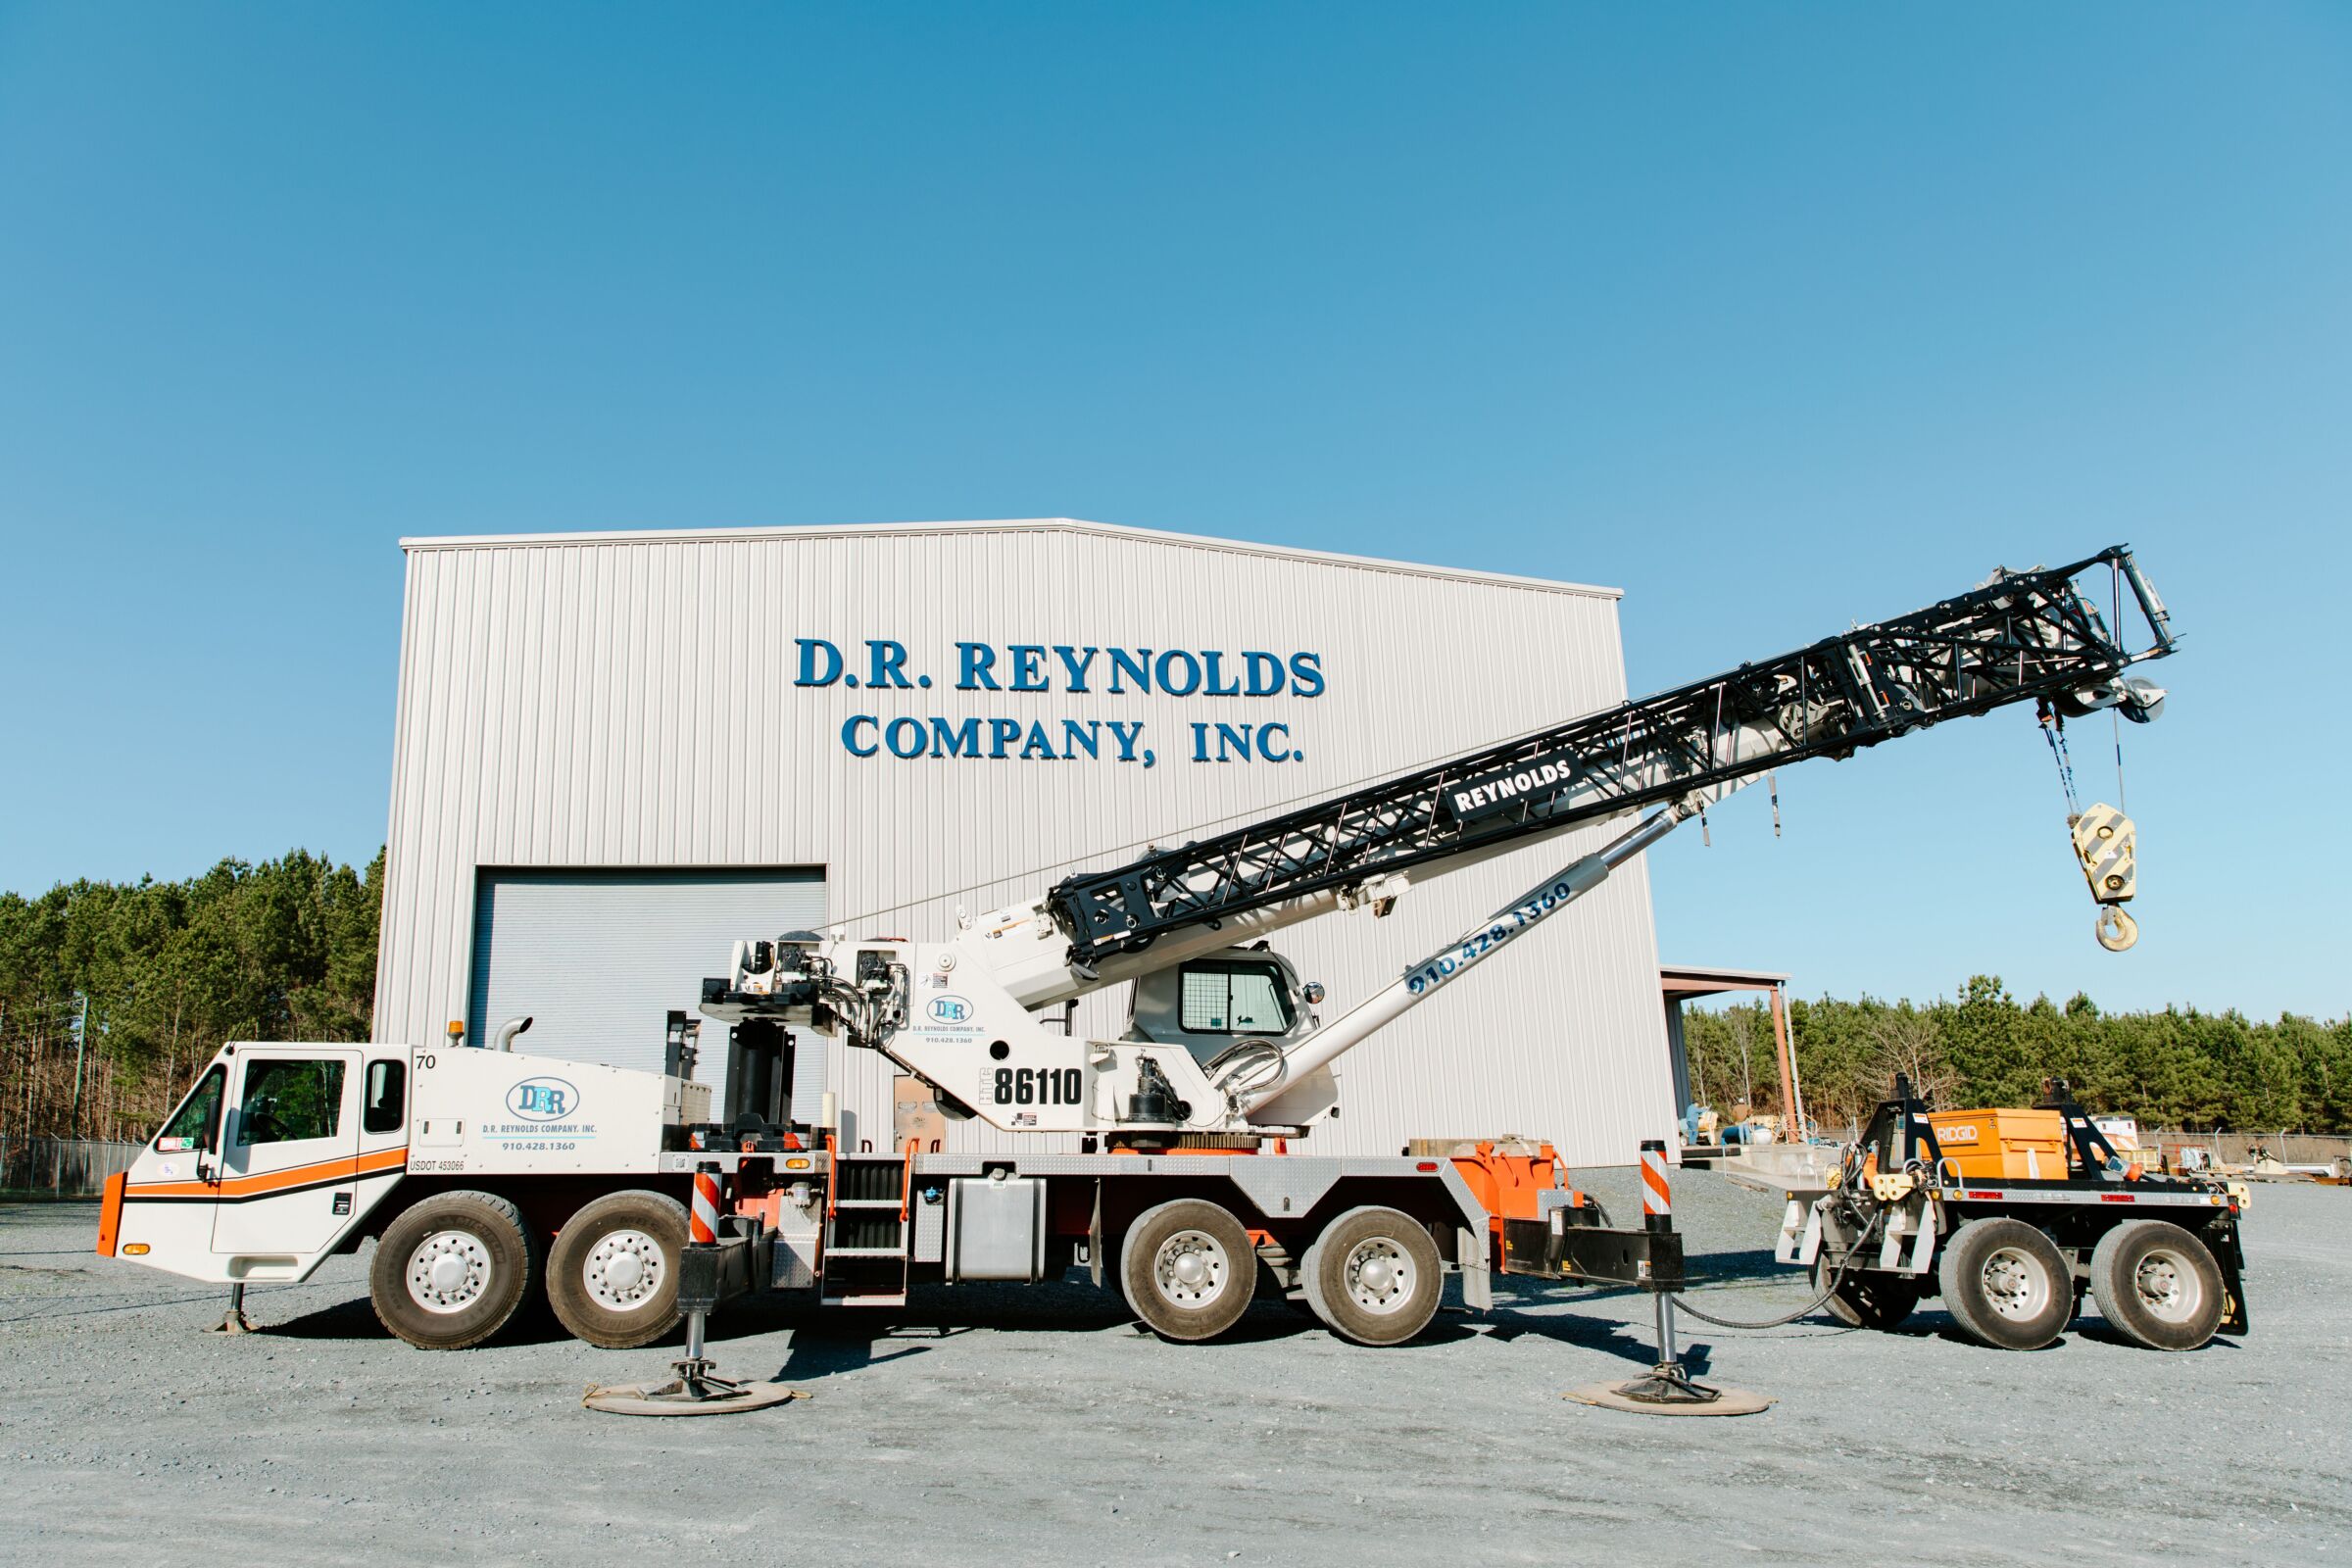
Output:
(598, 957)
(628, 701)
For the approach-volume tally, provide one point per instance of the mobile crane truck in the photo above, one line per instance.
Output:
(485, 1175)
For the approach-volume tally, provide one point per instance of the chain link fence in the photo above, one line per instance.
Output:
(61, 1167)
(2242, 1149)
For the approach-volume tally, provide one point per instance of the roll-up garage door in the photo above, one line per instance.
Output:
(598, 959)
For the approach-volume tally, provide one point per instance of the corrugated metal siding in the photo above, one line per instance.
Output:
(620, 702)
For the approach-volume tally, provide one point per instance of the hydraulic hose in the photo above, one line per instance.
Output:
(1683, 1302)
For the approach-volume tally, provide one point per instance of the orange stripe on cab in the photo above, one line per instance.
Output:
(325, 1170)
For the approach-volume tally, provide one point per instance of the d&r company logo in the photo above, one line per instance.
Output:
(950, 1010)
(543, 1099)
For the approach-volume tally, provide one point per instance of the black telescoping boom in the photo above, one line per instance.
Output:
(2023, 636)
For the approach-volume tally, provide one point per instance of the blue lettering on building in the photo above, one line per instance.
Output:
(880, 668)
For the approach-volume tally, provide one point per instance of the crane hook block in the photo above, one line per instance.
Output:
(2105, 847)
(2105, 844)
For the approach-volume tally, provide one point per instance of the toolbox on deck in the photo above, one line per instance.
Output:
(2004, 1144)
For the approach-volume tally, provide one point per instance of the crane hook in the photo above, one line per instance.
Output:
(2107, 852)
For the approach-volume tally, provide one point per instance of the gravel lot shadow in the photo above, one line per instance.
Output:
(355, 1319)
(834, 1349)
(1755, 1263)
(1625, 1341)
(345, 1321)
(1063, 1306)
(1934, 1323)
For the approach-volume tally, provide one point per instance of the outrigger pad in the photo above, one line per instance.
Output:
(638, 1398)
(1728, 1401)
(695, 1391)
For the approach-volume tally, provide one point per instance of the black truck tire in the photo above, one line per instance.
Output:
(612, 1274)
(1374, 1276)
(1187, 1269)
(2158, 1284)
(1866, 1299)
(451, 1269)
(2006, 1284)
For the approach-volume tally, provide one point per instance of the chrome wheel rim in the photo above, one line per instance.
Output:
(623, 1271)
(1191, 1269)
(2015, 1285)
(448, 1272)
(1379, 1275)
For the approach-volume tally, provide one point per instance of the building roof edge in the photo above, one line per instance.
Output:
(1110, 530)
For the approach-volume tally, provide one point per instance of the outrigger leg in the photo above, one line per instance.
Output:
(695, 1387)
(1666, 1389)
(236, 1322)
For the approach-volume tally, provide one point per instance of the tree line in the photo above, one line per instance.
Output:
(2179, 1068)
(114, 995)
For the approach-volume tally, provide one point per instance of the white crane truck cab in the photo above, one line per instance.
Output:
(283, 1155)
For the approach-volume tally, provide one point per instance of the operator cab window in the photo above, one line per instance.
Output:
(1234, 999)
(384, 1106)
(191, 1125)
(288, 1101)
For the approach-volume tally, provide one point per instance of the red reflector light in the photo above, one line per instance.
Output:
(1427, 1164)
(2117, 1197)
(1982, 1194)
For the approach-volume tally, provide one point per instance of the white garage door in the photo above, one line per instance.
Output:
(598, 959)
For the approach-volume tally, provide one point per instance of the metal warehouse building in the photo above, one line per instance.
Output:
(617, 753)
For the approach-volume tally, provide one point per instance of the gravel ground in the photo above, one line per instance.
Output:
(1041, 1426)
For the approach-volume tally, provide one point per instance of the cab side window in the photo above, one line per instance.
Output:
(384, 1106)
(1234, 999)
(193, 1125)
(286, 1100)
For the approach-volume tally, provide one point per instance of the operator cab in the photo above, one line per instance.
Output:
(1233, 1003)
(1211, 1005)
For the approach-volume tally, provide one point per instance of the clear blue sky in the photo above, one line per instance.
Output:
(1775, 316)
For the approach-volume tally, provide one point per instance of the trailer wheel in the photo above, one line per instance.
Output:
(1868, 1299)
(2158, 1284)
(451, 1270)
(1374, 1276)
(612, 1274)
(2006, 1284)
(1187, 1269)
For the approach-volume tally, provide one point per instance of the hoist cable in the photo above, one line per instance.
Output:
(2053, 730)
(2123, 801)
